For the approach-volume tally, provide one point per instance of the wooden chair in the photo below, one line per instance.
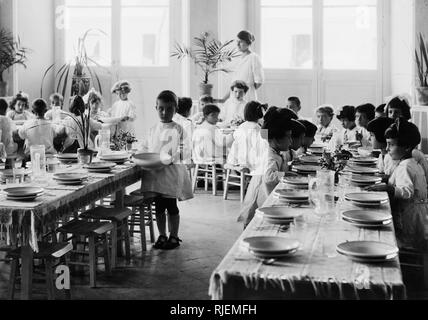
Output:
(48, 253)
(119, 218)
(210, 172)
(96, 233)
(240, 179)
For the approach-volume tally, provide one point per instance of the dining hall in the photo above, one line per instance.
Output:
(213, 150)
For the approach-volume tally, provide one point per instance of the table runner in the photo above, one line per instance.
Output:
(328, 276)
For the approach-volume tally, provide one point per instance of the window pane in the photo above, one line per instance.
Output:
(145, 33)
(81, 16)
(350, 34)
(286, 34)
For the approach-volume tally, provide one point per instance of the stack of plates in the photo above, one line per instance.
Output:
(367, 219)
(362, 170)
(117, 157)
(368, 251)
(367, 199)
(296, 182)
(70, 178)
(316, 150)
(364, 181)
(279, 215)
(23, 193)
(363, 161)
(67, 157)
(306, 170)
(291, 196)
(313, 160)
(271, 247)
(100, 167)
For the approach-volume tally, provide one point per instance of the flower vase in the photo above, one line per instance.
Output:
(85, 155)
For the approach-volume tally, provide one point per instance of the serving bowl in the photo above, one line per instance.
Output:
(151, 161)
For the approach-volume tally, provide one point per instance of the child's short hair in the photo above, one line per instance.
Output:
(398, 103)
(77, 105)
(378, 127)
(368, 109)
(3, 107)
(381, 108)
(296, 100)
(327, 109)
(406, 133)
(57, 97)
(277, 122)
(121, 86)
(289, 113)
(168, 96)
(239, 84)
(311, 129)
(94, 97)
(39, 107)
(20, 96)
(297, 129)
(184, 106)
(347, 112)
(210, 108)
(253, 111)
(206, 98)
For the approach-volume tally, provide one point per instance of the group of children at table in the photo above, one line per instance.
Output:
(37, 128)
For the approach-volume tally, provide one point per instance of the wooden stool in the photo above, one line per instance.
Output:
(119, 218)
(96, 233)
(48, 253)
(209, 172)
(242, 178)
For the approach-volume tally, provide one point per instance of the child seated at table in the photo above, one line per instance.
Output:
(209, 144)
(407, 187)
(38, 131)
(324, 117)
(233, 109)
(398, 107)
(198, 117)
(171, 182)
(380, 111)
(298, 132)
(246, 147)
(182, 118)
(19, 108)
(309, 139)
(56, 100)
(294, 104)
(277, 131)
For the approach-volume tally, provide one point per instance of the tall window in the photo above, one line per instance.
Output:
(345, 36)
(139, 27)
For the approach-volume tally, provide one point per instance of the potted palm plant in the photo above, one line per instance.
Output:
(209, 54)
(422, 72)
(11, 53)
(80, 69)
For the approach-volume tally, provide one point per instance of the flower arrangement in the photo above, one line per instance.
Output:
(336, 161)
(237, 121)
(121, 139)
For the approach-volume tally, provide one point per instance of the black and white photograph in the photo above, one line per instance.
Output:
(213, 154)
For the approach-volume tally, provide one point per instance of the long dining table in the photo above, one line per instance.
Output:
(317, 270)
(29, 220)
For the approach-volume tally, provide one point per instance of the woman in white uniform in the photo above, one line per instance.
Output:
(248, 68)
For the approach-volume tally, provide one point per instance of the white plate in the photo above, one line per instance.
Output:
(70, 176)
(307, 168)
(365, 159)
(371, 260)
(269, 245)
(107, 170)
(367, 197)
(70, 183)
(67, 156)
(365, 179)
(26, 198)
(263, 255)
(362, 170)
(283, 213)
(317, 146)
(367, 249)
(315, 151)
(100, 165)
(23, 191)
(368, 225)
(368, 204)
(310, 159)
(291, 195)
(298, 181)
(367, 216)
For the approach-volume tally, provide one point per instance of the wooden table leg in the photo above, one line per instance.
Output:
(119, 203)
(26, 272)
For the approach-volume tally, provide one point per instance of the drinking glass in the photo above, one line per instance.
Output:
(38, 161)
(19, 175)
(321, 192)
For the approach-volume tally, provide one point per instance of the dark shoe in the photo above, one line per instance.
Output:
(172, 243)
(162, 240)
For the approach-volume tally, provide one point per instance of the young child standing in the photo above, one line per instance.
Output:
(171, 182)
(278, 135)
(407, 187)
(123, 108)
(233, 109)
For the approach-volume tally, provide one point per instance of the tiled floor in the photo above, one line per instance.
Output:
(208, 230)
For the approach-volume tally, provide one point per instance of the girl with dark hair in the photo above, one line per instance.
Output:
(19, 107)
(398, 107)
(233, 109)
(406, 187)
(245, 151)
(248, 68)
(171, 182)
(38, 131)
(277, 140)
